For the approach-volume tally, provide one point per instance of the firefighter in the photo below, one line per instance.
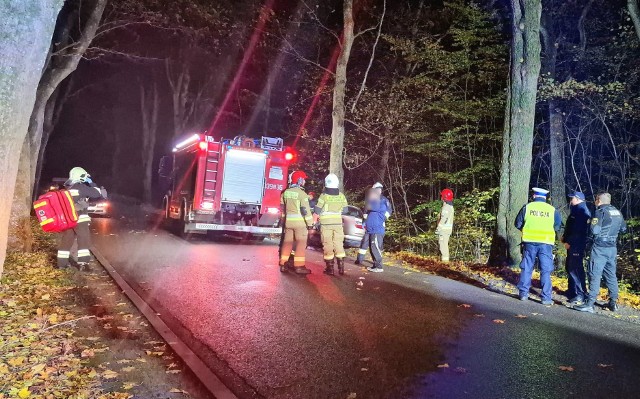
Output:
(539, 222)
(297, 221)
(329, 208)
(82, 189)
(445, 223)
(575, 241)
(606, 224)
(374, 191)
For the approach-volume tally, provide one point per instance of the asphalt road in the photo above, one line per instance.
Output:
(274, 335)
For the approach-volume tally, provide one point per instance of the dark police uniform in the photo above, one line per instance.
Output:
(575, 234)
(539, 223)
(605, 226)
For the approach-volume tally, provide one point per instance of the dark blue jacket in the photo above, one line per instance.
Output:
(576, 230)
(377, 210)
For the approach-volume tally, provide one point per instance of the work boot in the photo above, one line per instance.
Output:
(329, 267)
(302, 270)
(283, 268)
(359, 260)
(612, 305)
(341, 266)
(585, 307)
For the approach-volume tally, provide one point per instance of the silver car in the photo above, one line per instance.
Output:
(353, 229)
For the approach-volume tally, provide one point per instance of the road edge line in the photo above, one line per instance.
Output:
(206, 376)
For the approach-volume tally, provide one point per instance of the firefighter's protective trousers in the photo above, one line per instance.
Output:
(444, 229)
(82, 234)
(295, 239)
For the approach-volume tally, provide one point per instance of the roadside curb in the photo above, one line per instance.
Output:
(210, 381)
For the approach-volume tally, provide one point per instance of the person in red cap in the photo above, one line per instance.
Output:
(445, 223)
(297, 220)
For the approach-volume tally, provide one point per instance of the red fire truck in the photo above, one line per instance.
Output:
(231, 186)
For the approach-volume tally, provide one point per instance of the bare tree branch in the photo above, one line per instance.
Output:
(373, 54)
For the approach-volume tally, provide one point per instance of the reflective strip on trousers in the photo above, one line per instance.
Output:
(362, 251)
(84, 218)
(64, 254)
(84, 252)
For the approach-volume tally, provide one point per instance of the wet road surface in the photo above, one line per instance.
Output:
(275, 335)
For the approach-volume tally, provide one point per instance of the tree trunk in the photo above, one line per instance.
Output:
(339, 91)
(57, 70)
(634, 12)
(515, 171)
(149, 109)
(26, 28)
(556, 120)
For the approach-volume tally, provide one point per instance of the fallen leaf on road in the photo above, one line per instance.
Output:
(498, 321)
(478, 315)
(361, 278)
(100, 350)
(364, 369)
(365, 359)
(128, 369)
(45, 297)
(359, 283)
(352, 395)
(604, 366)
(521, 316)
(406, 273)
(141, 360)
(566, 368)
(537, 314)
(123, 361)
(87, 353)
(176, 390)
(129, 385)
(109, 374)
(464, 305)
(443, 366)
(24, 393)
(172, 371)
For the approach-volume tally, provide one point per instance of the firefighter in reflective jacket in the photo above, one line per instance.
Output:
(606, 224)
(539, 222)
(297, 219)
(330, 205)
(82, 189)
(445, 223)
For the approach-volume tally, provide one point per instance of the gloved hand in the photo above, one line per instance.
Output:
(567, 246)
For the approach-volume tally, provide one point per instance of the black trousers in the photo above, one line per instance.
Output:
(375, 247)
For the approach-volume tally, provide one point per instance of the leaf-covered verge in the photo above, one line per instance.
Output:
(66, 334)
(504, 280)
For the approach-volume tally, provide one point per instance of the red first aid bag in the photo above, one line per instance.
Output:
(55, 211)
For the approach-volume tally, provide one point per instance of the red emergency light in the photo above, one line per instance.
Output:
(203, 145)
(289, 155)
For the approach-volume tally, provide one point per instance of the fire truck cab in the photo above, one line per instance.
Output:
(231, 186)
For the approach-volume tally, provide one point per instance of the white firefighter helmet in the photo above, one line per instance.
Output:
(377, 185)
(331, 181)
(78, 174)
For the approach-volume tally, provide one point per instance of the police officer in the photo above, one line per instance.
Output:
(297, 219)
(539, 222)
(375, 191)
(575, 241)
(605, 226)
(445, 223)
(82, 189)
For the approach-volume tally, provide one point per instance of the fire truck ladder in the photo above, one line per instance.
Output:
(211, 175)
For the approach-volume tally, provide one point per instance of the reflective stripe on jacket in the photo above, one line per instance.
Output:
(330, 208)
(539, 218)
(295, 204)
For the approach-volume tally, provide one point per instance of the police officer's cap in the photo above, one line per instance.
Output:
(539, 192)
(578, 195)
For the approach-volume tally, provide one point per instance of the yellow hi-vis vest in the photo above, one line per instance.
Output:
(331, 208)
(538, 223)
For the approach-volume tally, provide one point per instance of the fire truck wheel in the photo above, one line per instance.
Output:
(180, 224)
